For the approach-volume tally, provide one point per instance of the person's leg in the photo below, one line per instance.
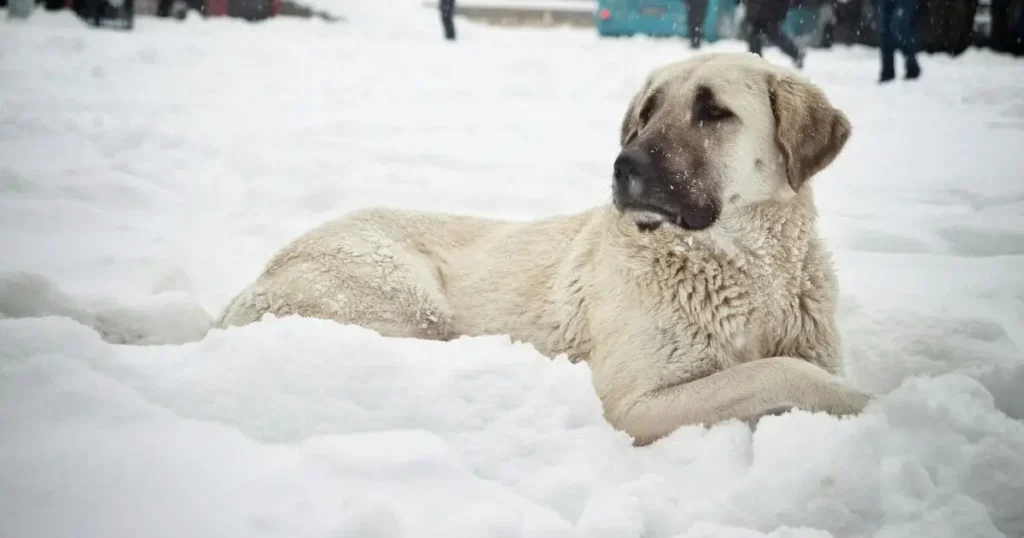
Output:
(696, 12)
(447, 13)
(755, 36)
(905, 29)
(887, 42)
(773, 30)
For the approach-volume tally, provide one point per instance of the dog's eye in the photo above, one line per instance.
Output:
(715, 112)
(710, 112)
(706, 109)
(648, 108)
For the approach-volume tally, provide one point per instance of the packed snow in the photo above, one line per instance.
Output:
(146, 176)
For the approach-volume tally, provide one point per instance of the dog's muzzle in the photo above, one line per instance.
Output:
(639, 191)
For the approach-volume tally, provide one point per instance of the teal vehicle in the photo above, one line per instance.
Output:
(661, 18)
(667, 18)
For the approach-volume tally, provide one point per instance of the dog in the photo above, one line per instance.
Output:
(700, 293)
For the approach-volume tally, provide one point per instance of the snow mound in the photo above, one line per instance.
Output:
(163, 318)
(300, 427)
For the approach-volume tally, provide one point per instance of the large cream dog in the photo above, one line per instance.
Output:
(701, 293)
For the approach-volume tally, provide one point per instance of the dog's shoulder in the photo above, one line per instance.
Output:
(805, 325)
(799, 317)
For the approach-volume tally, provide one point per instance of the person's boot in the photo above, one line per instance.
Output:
(888, 57)
(798, 61)
(888, 73)
(447, 20)
(695, 40)
(913, 70)
(449, 29)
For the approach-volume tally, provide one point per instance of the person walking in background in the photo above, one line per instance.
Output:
(447, 14)
(696, 11)
(764, 21)
(897, 27)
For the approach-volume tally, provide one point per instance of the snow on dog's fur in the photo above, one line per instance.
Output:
(701, 293)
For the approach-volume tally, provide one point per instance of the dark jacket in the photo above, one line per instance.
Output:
(767, 10)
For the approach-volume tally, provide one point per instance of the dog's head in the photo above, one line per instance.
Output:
(717, 132)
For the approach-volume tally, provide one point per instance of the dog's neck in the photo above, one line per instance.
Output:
(759, 228)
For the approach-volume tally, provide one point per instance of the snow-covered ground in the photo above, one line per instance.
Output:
(146, 177)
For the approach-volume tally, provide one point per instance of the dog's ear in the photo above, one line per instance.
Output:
(808, 129)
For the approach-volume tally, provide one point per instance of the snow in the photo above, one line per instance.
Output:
(147, 176)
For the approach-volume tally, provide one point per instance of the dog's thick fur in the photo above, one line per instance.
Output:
(703, 293)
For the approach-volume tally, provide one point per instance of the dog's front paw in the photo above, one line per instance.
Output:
(841, 401)
(845, 401)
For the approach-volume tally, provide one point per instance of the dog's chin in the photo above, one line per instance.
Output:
(650, 218)
(647, 220)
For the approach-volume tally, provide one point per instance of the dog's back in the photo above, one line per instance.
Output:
(416, 274)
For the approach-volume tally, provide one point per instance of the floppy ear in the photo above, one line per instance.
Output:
(808, 129)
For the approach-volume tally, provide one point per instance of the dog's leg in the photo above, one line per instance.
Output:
(397, 295)
(747, 392)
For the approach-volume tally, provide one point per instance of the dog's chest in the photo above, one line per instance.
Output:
(724, 310)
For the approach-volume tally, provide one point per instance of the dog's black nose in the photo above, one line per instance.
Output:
(632, 168)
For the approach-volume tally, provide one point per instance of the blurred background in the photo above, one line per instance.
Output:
(949, 26)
